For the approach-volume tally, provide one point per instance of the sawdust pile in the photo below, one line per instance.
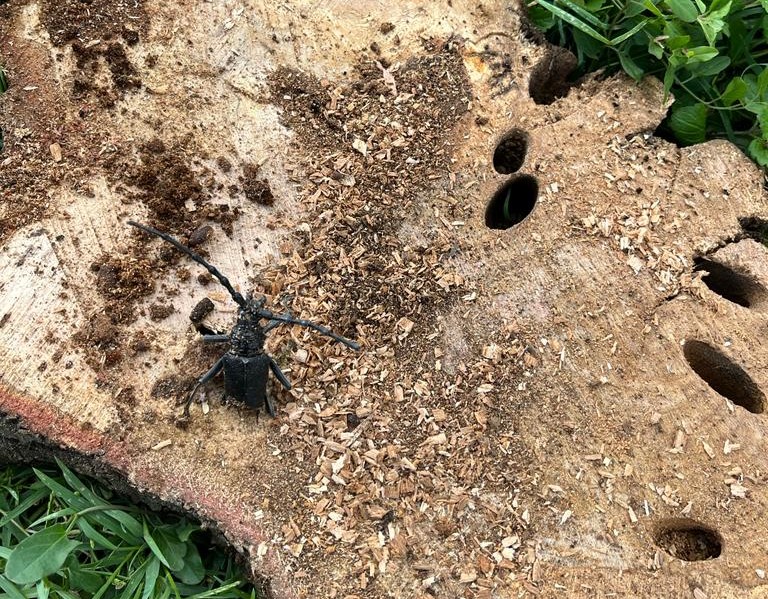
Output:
(380, 487)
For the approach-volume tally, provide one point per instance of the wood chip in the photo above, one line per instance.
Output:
(55, 149)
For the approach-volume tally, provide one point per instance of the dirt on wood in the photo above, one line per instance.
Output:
(546, 295)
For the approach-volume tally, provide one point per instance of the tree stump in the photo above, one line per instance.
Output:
(560, 386)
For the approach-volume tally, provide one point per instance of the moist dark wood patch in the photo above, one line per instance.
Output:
(84, 21)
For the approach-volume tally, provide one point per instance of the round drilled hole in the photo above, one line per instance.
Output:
(512, 203)
(724, 376)
(549, 78)
(730, 284)
(688, 540)
(510, 153)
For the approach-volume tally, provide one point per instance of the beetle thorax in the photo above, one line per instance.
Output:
(247, 337)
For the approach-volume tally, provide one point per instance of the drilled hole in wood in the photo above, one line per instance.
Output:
(731, 285)
(549, 78)
(688, 540)
(510, 152)
(724, 376)
(512, 203)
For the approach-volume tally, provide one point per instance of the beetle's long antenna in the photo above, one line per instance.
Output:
(197, 258)
(306, 323)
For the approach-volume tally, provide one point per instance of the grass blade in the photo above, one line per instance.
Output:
(10, 589)
(574, 21)
(625, 36)
(32, 499)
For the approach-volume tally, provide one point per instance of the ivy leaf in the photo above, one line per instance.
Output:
(39, 555)
(689, 123)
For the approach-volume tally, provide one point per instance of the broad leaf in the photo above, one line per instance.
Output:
(735, 92)
(701, 53)
(758, 150)
(193, 571)
(711, 67)
(174, 550)
(39, 555)
(685, 10)
(630, 66)
(689, 123)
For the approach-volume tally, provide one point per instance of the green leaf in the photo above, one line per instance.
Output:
(134, 581)
(574, 21)
(711, 67)
(701, 53)
(84, 580)
(758, 150)
(42, 590)
(653, 8)
(129, 524)
(169, 551)
(40, 555)
(625, 36)
(655, 48)
(174, 550)
(685, 10)
(689, 123)
(185, 530)
(669, 79)
(762, 120)
(99, 540)
(150, 577)
(193, 571)
(736, 91)
(26, 503)
(10, 589)
(584, 14)
(630, 66)
(678, 41)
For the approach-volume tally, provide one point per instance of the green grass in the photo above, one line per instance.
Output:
(711, 56)
(63, 536)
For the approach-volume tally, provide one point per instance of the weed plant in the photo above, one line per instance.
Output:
(711, 57)
(63, 537)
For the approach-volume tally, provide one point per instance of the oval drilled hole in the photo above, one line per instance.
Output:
(724, 376)
(512, 203)
(509, 154)
(731, 285)
(688, 540)
(549, 78)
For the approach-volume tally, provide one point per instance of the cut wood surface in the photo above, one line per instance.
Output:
(560, 390)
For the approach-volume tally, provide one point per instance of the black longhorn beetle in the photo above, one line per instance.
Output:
(246, 366)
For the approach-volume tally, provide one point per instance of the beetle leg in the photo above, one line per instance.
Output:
(201, 381)
(270, 406)
(279, 373)
(215, 338)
